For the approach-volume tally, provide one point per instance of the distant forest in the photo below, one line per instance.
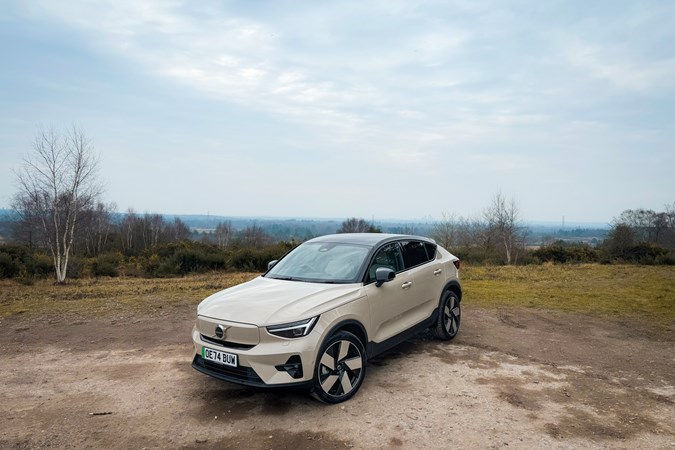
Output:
(109, 243)
(301, 229)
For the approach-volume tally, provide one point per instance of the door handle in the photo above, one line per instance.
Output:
(438, 271)
(406, 285)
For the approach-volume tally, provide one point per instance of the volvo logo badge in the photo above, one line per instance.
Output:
(220, 331)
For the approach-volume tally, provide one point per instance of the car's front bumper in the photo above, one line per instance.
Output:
(263, 364)
(240, 375)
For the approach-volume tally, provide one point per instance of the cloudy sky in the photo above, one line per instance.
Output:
(379, 109)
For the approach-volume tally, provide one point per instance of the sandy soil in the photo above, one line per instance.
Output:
(512, 379)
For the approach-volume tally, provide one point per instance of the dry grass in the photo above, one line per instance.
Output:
(101, 296)
(645, 293)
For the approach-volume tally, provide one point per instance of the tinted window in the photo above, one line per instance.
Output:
(388, 256)
(431, 250)
(414, 254)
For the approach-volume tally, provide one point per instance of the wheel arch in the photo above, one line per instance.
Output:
(352, 326)
(454, 287)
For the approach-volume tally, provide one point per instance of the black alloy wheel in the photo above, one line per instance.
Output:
(449, 316)
(340, 369)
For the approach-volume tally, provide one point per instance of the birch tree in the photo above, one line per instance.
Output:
(223, 234)
(58, 181)
(503, 224)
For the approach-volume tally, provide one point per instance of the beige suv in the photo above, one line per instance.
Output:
(318, 314)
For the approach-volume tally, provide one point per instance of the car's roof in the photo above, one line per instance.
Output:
(367, 239)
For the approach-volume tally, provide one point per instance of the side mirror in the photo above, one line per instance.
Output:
(382, 275)
(272, 264)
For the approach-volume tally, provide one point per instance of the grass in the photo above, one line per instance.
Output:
(104, 296)
(645, 293)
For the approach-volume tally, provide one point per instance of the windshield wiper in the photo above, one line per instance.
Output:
(285, 278)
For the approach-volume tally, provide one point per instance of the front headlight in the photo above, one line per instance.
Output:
(294, 329)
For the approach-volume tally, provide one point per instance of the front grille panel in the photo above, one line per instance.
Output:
(222, 343)
(239, 333)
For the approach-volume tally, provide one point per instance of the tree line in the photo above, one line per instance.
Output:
(497, 236)
(64, 229)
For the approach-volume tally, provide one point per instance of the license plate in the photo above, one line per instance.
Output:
(227, 359)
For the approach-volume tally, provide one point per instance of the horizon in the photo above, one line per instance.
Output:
(375, 221)
(357, 109)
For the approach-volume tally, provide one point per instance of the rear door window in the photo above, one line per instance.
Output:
(415, 253)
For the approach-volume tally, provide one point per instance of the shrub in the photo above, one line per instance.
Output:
(41, 265)
(76, 267)
(107, 265)
(645, 253)
(192, 260)
(665, 260)
(560, 252)
(251, 259)
(149, 264)
(9, 267)
(641, 253)
(16, 261)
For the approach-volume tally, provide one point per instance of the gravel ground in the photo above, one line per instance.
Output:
(523, 378)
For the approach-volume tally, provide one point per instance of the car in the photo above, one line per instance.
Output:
(319, 313)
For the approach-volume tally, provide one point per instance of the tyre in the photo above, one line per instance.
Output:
(340, 368)
(449, 317)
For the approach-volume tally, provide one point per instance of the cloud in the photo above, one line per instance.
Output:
(257, 63)
(616, 65)
(482, 89)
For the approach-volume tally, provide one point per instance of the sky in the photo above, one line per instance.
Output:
(377, 109)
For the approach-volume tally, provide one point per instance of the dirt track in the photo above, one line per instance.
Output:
(517, 379)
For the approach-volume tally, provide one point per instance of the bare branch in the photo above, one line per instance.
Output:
(56, 183)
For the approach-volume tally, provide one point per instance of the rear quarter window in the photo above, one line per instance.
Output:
(431, 250)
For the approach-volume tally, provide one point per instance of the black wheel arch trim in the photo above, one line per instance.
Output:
(455, 287)
(347, 323)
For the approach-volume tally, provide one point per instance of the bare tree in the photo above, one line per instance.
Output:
(26, 229)
(95, 226)
(56, 183)
(356, 225)
(620, 241)
(127, 230)
(153, 226)
(650, 226)
(254, 236)
(445, 232)
(223, 234)
(503, 224)
(178, 231)
(472, 233)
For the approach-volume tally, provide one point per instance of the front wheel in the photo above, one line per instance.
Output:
(340, 369)
(449, 316)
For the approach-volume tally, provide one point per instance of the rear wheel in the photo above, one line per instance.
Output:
(449, 316)
(340, 368)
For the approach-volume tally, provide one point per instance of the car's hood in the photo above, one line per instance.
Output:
(266, 301)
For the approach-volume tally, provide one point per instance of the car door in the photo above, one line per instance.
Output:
(425, 276)
(390, 303)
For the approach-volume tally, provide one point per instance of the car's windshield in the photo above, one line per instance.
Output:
(321, 262)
